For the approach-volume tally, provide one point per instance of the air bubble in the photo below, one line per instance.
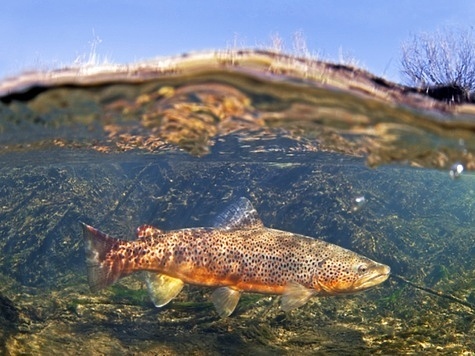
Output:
(456, 170)
(358, 203)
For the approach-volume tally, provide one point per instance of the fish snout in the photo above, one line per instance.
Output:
(375, 275)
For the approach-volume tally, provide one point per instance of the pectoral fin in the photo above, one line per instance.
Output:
(162, 288)
(295, 296)
(225, 300)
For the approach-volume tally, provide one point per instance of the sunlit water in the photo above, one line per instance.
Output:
(174, 151)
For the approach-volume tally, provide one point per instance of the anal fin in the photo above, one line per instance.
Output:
(162, 288)
(225, 300)
(295, 296)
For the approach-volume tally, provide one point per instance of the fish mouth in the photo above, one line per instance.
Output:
(378, 275)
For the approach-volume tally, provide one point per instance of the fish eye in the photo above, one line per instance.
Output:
(362, 268)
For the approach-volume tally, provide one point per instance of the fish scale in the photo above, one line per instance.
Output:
(239, 254)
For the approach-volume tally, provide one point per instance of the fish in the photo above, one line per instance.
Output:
(237, 254)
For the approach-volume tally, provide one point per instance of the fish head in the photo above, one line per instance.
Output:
(344, 271)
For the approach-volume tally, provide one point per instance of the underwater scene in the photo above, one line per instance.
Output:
(104, 166)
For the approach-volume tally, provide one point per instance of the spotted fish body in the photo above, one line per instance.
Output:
(237, 255)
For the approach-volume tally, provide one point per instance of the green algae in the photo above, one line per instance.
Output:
(123, 295)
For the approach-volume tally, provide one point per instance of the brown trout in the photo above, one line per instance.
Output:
(237, 255)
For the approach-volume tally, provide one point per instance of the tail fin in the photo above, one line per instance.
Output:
(104, 265)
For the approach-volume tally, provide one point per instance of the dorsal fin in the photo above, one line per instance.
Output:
(146, 232)
(239, 215)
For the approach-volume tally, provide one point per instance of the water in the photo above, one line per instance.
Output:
(318, 152)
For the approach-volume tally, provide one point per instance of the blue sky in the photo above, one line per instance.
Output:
(48, 34)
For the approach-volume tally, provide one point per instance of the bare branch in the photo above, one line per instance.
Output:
(444, 58)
